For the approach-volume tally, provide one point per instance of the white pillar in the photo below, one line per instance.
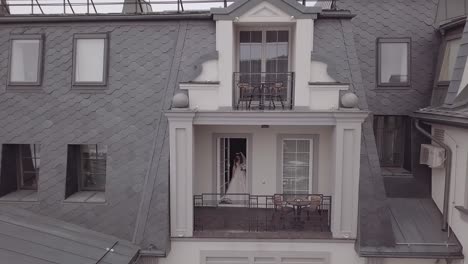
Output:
(346, 157)
(181, 173)
(303, 43)
(225, 47)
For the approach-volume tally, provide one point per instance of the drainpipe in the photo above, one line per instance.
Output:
(448, 170)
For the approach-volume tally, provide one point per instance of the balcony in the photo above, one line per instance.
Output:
(262, 216)
(263, 91)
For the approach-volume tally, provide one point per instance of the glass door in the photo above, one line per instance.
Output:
(232, 164)
(263, 51)
(297, 166)
(223, 165)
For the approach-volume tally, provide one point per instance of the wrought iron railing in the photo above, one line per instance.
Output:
(214, 212)
(73, 7)
(263, 91)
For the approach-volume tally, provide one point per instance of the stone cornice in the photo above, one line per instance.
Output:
(325, 118)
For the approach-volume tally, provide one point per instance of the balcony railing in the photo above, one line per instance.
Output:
(73, 7)
(262, 216)
(263, 91)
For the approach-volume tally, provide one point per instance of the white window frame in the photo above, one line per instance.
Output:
(311, 161)
(105, 72)
(264, 29)
(40, 62)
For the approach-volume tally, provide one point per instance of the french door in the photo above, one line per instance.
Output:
(227, 150)
(263, 51)
(296, 164)
(224, 164)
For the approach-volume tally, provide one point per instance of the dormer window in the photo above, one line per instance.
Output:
(393, 61)
(264, 51)
(450, 55)
(25, 60)
(90, 60)
(264, 80)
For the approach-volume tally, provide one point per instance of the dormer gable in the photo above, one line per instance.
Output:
(262, 10)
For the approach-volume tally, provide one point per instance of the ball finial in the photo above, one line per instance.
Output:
(180, 100)
(349, 100)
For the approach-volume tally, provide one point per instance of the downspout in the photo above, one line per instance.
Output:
(448, 171)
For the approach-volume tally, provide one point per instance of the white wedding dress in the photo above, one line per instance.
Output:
(238, 182)
(237, 186)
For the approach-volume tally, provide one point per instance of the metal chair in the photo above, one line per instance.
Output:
(277, 90)
(316, 201)
(245, 95)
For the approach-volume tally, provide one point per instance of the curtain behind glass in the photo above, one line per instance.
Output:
(25, 60)
(89, 65)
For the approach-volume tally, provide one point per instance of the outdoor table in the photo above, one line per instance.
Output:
(262, 90)
(297, 206)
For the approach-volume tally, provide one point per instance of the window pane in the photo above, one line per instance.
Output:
(390, 138)
(89, 65)
(25, 60)
(283, 36)
(450, 55)
(30, 163)
(93, 176)
(276, 51)
(296, 166)
(393, 63)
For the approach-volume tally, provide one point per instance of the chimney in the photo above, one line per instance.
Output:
(135, 7)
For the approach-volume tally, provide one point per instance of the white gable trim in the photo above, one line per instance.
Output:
(265, 13)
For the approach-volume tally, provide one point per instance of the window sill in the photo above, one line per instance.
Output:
(395, 172)
(462, 209)
(93, 89)
(20, 196)
(24, 89)
(385, 88)
(86, 197)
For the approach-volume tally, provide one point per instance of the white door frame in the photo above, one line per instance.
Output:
(248, 154)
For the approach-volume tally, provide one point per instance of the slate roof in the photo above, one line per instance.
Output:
(147, 60)
(27, 238)
(457, 116)
(416, 226)
(395, 19)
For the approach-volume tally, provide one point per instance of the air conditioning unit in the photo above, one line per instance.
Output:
(432, 156)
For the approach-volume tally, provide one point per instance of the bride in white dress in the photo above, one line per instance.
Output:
(238, 183)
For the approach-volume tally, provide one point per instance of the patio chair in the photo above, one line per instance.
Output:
(281, 208)
(315, 206)
(277, 92)
(279, 201)
(245, 95)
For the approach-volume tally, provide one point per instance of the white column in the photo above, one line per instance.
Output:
(181, 173)
(346, 156)
(303, 44)
(225, 47)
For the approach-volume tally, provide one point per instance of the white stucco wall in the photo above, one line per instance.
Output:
(264, 156)
(457, 140)
(188, 251)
